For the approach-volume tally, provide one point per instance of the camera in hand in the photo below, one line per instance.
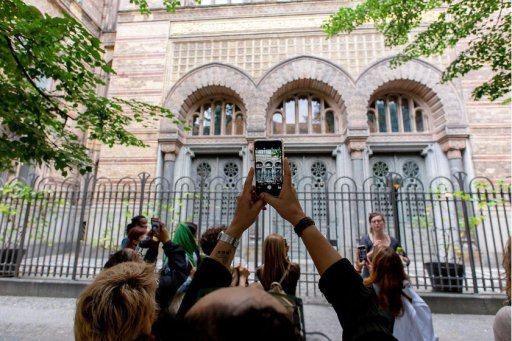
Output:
(155, 224)
(268, 163)
(361, 251)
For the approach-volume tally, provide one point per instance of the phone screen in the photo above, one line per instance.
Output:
(362, 252)
(155, 224)
(268, 162)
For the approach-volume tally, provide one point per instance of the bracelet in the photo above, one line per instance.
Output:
(228, 239)
(303, 224)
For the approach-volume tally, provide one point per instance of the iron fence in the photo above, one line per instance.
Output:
(54, 228)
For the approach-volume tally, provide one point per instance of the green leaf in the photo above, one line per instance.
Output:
(48, 85)
(485, 25)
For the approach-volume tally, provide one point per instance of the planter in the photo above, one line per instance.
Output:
(9, 258)
(446, 277)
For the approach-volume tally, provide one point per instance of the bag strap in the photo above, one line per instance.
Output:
(285, 274)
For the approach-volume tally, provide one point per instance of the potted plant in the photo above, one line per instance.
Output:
(445, 270)
(447, 274)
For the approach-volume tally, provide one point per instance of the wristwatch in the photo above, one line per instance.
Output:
(302, 225)
(228, 239)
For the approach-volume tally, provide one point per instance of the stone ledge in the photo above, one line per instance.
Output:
(41, 287)
(439, 303)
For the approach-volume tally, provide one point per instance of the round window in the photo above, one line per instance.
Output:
(380, 169)
(204, 170)
(318, 169)
(411, 169)
(231, 169)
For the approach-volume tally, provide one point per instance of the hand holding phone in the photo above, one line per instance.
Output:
(155, 224)
(362, 254)
(268, 165)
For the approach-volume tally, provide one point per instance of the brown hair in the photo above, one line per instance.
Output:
(121, 256)
(373, 215)
(388, 272)
(118, 305)
(275, 260)
(209, 238)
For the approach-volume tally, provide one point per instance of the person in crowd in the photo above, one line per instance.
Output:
(276, 266)
(253, 314)
(135, 231)
(118, 305)
(185, 236)
(175, 270)
(209, 238)
(408, 315)
(502, 321)
(121, 256)
(377, 237)
(239, 274)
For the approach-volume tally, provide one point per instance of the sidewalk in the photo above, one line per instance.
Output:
(51, 319)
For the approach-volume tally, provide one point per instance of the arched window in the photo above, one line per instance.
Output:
(396, 113)
(303, 113)
(217, 116)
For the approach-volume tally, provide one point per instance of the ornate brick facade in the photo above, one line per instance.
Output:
(256, 55)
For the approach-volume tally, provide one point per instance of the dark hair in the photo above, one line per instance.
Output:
(135, 222)
(209, 238)
(192, 227)
(220, 325)
(119, 257)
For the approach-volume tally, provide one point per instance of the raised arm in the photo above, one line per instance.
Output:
(247, 209)
(214, 270)
(340, 283)
(288, 207)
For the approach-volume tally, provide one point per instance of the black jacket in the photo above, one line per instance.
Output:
(341, 285)
(172, 274)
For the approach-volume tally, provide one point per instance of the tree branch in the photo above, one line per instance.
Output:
(62, 114)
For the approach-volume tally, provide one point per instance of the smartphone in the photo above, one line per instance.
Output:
(155, 224)
(361, 251)
(268, 163)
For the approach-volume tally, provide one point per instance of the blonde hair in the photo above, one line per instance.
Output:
(275, 259)
(118, 305)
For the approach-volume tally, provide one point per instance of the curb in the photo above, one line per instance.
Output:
(439, 303)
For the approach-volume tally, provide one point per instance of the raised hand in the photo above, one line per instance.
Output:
(246, 212)
(287, 203)
(247, 208)
(162, 234)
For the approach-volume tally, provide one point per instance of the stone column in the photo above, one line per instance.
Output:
(356, 148)
(343, 161)
(246, 160)
(453, 147)
(170, 152)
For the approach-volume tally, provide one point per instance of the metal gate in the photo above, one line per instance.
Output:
(58, 228)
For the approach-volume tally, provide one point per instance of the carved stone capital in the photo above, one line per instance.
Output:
(356, 148)
(453, 147)
(170, 150)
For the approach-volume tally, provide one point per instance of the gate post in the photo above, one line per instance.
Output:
(201, 192)
(460, 177)
(82, 215)
(143, 179)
